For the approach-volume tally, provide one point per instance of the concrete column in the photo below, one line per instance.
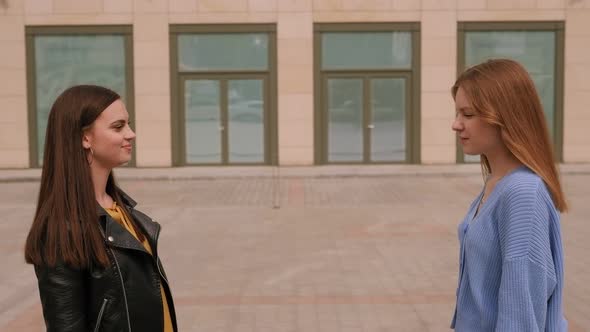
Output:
(576, 112)
(14, 141)
(295, 82)
(152, 83)
(439, 44)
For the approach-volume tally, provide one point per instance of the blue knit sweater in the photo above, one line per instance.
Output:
(511, 260)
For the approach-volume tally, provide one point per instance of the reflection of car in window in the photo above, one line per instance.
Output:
(352, 111)
(246, 111)
(348, 111)
(202, 102)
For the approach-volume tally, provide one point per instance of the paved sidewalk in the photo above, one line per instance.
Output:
(314, 251)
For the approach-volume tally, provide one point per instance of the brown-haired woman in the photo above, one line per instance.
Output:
(95, 255)
(511, 259)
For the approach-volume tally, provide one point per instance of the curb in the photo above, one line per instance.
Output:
(285, 172)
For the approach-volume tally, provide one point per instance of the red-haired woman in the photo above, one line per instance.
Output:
(95, 255)
(511, 259)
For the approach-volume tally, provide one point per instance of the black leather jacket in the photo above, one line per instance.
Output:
(125, 296)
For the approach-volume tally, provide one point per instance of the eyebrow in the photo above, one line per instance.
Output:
(116, 122)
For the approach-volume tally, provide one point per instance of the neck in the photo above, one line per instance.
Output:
(502, 162)
(100, 175)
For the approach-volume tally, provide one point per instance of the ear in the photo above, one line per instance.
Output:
(86, 141)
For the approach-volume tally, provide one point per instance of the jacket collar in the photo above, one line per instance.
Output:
(118, 236)
(127, 200)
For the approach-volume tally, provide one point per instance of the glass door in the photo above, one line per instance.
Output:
(203, 125)
(345, 120)
(245, 121)
(366, 118)
(224, 120)
(387, 126)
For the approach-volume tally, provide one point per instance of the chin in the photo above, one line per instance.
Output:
(471, 152)
(124, 162)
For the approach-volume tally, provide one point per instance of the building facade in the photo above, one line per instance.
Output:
(287, 82)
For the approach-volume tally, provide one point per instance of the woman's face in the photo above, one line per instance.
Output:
(475, 134)
(110, 137)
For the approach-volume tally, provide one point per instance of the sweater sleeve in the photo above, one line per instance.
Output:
(528, 275)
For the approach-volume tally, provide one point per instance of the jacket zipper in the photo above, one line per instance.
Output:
(157, 235)
(100, 313)
(121, 277)
(124, 293)
(122, 283)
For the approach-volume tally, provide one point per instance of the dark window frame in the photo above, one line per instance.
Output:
(270, 89)
(33, 31)
(413, 88)
(553, 26)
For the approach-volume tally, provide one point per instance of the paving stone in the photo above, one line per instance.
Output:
(302, 253)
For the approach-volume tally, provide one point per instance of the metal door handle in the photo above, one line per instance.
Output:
(371, 126)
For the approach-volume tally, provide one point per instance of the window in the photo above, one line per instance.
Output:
(60, 57)
(538, 46)
(367, 93)
(223, 94)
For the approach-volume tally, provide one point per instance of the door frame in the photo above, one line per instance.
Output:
(414, 89)
(271, 131)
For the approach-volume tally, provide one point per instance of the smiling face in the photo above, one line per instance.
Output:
(110, 137)
(476, 135)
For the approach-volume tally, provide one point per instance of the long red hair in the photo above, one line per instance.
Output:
(503, 94)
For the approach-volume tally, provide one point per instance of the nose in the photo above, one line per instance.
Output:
(130, 134)
(457, 125)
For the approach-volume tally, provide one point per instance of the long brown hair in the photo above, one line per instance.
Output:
(503, 94)
(66, 228)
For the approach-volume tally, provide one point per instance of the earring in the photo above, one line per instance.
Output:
(91, 156)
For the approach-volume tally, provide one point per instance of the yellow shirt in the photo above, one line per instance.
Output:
(116, 213)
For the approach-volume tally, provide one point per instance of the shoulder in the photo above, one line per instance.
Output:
(522, 181)
(525, 190)
(58, 273)
(525, 203)
(524, 214)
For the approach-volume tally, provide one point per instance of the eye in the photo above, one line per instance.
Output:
(468, 115)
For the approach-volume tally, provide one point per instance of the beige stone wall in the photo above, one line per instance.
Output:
(295, 83)
(14, 148)
(439, 45)
(294, 19)
(152, 84)
(576, 119)
(439, 59)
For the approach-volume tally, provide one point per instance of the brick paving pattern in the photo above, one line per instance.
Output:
(310, 254)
